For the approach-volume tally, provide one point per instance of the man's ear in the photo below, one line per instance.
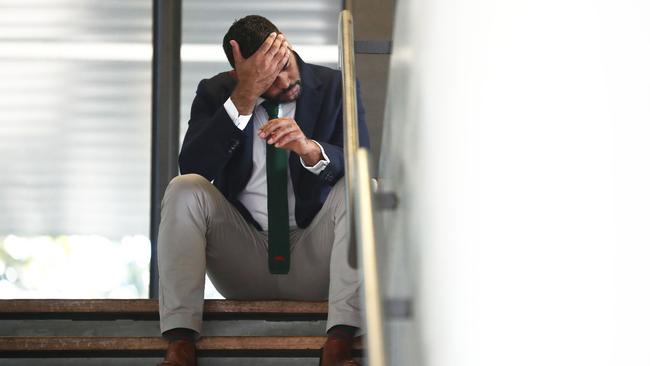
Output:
(233, 74)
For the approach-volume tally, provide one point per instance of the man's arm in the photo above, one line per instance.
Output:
(211, 139)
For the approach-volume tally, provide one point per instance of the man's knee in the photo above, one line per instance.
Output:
(186, 185)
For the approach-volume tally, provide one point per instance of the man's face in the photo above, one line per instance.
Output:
(286, 87)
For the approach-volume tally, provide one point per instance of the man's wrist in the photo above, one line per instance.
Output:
(313, 154)
(243, 101)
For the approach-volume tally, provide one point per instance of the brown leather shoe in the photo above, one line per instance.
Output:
(337, 352)
(180, 353)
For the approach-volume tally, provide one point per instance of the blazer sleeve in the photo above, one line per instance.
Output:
(334, 147)
(211, 139)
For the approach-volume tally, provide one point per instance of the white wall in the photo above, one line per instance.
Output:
(517, 139)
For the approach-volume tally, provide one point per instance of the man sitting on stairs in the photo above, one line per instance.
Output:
(260, 203)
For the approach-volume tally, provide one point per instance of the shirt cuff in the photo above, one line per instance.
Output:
(241, 121)
(320, 166)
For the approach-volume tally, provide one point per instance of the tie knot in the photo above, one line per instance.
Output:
(271, 108)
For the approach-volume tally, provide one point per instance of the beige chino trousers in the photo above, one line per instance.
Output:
(201, 231)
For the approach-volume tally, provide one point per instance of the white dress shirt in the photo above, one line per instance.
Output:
(253, 197)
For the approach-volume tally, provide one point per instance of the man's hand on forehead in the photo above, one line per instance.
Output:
(272, 44)
(257, 73)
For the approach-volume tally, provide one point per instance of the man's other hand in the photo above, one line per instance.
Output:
(257, 73)
(285, 133)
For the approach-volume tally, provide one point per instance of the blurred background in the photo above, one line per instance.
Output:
(75, 131)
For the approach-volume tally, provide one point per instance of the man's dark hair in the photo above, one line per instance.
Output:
(249, 32)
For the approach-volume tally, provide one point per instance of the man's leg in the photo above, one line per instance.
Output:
(198, 222)
(320, 269)
(319, 263)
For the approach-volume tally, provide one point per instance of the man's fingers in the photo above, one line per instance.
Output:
(275, 47)
(268, 42)
(287, 139)
(284, 60)
(236, 54)
(273, 125)
(268, 127)
(281, 52)
(280, 133)
(281, 55)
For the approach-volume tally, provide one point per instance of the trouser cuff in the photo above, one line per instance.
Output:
(181, 320)
(349, 318)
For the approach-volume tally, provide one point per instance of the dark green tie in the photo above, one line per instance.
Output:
(277, 203)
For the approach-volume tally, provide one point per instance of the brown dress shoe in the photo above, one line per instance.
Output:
(337, 352)
(180, 353)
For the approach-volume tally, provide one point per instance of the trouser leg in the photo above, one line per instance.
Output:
(197, 222)
(319, 264)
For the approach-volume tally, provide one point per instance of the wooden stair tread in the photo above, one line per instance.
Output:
(155, 346)
(149, 308)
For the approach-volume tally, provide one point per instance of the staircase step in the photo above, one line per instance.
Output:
(151, 361)
(151, 328)
(145, 309)
(294, 346)
(61, 332)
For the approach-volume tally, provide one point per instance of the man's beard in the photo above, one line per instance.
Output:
(282, 97)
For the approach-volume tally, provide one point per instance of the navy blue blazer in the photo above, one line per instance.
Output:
(222, 153)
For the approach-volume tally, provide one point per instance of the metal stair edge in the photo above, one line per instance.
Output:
(233, 346)
(148, 309)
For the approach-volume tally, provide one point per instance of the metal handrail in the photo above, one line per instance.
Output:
(359, 196)
(350, 130)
